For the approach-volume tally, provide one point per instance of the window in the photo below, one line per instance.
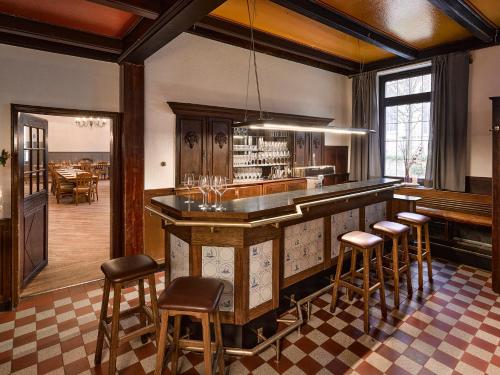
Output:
(404, 122)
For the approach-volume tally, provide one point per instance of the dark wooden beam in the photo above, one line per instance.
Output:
(468, 17)
(337, 20)
(65, 49)
(234, 34)
(132, 156)
(148, 37)
(144, 8)
(57, 34)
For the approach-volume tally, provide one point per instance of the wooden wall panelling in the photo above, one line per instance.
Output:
(274, 187)
(478, 185)
(191, 152)
(249, 191)
(495, 247)
(220, 147)
(154, 235)
(301, 149)
(317, 145)
(5, 265)
(338, 156)
(132, 154)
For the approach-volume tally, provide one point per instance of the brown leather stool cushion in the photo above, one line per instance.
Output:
(129, 268)
(192, 293)
(413, 218)
(390, 227)
(361, 239)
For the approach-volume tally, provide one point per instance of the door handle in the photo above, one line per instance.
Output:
(495, 128)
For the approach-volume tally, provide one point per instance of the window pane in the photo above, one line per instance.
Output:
(403, 86)
(34, 137)
(426, 83)
(415, 113)
(416, 85)
(391, 89)
(391, 132)
(426, 111)
(403, 113)
(391, 115)
(27, 137)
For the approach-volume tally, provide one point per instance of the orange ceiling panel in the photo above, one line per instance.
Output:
(279, 21)
(489, 8)
(75, 14)
(415, 22)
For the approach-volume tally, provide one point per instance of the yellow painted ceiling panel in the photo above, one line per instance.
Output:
(415, 22)
(489, 8)
(274, 19)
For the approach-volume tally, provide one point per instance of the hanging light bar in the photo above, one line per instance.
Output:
(269, 125)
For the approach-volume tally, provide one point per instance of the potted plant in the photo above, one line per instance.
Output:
(4, 156)
(410, 157)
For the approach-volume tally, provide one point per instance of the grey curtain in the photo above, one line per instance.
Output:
(447, 158)
(365, 149)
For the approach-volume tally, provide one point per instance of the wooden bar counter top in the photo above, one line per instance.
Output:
(269, 250)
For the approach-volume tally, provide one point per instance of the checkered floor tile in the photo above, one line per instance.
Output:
(451, 327)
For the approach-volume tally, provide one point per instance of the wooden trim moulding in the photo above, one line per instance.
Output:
(143, 8)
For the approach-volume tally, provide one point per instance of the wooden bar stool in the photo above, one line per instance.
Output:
(118, 273)
(197, 297)
(398, 233)
(420, 222)
(365, 243)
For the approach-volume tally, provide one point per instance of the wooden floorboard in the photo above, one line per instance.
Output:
(79, 241)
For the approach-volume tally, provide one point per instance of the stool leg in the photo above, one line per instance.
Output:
(115, 327)
(207, 344)
(161, 343)
(428, 251)
(380, 274)
(336, 282)
(366, 289)
(218, 341)
(142, 314)
(419, 258)
(395, 270)
(154, 304)
(406, 254)
(353, 270)
(102, 322)
(175, 343)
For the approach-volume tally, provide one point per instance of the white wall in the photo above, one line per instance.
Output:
(484, 82)
(53, 80)
(197, 70)
(65, 136)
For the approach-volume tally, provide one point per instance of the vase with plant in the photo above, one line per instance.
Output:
(4, 156)
(410, 157)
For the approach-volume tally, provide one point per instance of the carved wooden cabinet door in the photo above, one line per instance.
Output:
(317, 142)
(301, 149)
(219, 143)
(190, 153)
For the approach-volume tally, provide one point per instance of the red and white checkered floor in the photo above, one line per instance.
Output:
(452, 327)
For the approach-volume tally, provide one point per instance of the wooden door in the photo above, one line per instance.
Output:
(191, 152)
(317, 145)
(219, 146)
(33, 215)
(301, 149)
(495, 246)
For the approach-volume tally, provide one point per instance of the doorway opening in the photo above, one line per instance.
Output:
(63, 197)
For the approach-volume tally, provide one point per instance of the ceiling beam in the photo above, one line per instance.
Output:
(57, 34)
(337, 20)
(238, 35)
(144, 8)
(148, 37)
(462, 13)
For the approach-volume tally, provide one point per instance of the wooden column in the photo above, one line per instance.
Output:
(132, 158)
(495, 248)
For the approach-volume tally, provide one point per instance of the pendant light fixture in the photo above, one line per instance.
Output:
(269, 123)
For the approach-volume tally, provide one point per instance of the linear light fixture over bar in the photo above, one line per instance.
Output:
(269, 125)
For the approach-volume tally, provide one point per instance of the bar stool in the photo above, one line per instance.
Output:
(420, 222)
(365, 243)
(118, 272)
(197, 297)
(396, 232)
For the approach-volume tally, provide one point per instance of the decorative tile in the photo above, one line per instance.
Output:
(343, 222)
(374, 213)
(218, 262)
(303, 246)
(260, 274)
(179, 257)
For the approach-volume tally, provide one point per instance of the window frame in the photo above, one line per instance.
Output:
(397, 100)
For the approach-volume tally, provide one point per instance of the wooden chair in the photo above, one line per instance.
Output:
(83, 186)
(94, 189)
(62, 187)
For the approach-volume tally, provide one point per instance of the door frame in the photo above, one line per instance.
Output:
(17, 204)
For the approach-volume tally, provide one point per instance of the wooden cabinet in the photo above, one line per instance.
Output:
(274, 187)
(204, 146)
(296, 185)
(308, 149)
(249, 191)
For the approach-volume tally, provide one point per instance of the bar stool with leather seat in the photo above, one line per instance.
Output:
(420, 222)
(364, 243)
(118, 273)
(197, 297)
(398, 233)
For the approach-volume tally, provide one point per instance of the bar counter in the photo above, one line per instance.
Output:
(269, 250)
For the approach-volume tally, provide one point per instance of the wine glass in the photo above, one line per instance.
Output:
(204, 188)
(214, 186)
(188, 182)
(222, 188)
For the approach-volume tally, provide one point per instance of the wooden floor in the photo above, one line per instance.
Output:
(79, 241)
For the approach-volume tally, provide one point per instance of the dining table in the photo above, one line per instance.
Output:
(70, 174)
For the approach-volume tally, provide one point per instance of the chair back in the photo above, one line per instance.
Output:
(83, 180)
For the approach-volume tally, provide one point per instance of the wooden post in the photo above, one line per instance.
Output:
(132, 156)
(495, 228)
